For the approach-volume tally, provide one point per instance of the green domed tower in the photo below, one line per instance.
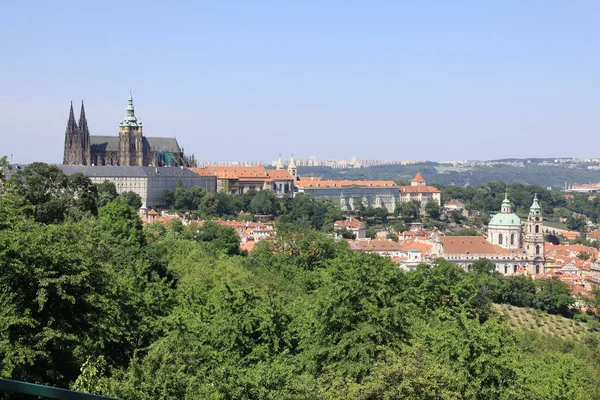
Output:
(504, 228)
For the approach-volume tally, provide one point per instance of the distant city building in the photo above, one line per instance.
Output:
(130, 148)
(147, 182)
(420, 192)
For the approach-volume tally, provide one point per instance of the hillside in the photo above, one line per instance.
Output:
(529, 319)
(530, 174)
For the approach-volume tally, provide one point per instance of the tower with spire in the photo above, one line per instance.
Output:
(84, 133)
(279, 163)
(131, 151)
(534, 238)
(77, 140)
(292, 169)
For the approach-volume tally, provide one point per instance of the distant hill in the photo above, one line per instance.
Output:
(530, 174)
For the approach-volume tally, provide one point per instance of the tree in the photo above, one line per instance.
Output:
(346, 234)
(122, 222)
(576, 223)
(57, 294)
(381, 213)
(168, 197)
(52, 194)
(392, 236)
(3, 167)
(432, 208)
(132, 199)
(219, 238)
(107, 192)
(551, 238)
(553, 296)
(408, 211)
(264, 202)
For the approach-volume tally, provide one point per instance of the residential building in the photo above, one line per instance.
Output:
(147, 182)
(454, 205)
(420, 192)
(352, 225)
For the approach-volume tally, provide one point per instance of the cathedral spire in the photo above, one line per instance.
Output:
(71, 124)
(82, 120)
(70, 156)
(279, 163)
(130, 118)
(84, 137)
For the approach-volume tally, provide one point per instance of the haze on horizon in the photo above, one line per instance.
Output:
(249, 80)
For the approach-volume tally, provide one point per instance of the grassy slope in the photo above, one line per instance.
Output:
(527, 319)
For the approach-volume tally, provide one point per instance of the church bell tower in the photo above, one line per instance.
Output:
(534, 238)
(131, 142)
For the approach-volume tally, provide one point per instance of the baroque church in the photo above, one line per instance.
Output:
(511, 245)
(130, 148)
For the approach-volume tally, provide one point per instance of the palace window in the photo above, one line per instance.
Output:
(537, 229)
(515, 269)
(500, 239)
(537, 249)
(537, 269)
(512, 238)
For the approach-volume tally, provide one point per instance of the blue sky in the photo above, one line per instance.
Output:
(438, 80)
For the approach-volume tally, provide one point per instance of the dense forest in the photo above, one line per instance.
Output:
(434, 173)
(92, 300)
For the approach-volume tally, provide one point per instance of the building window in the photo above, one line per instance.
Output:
(515, 269)
(537, 269)
(500, 239)
(537, 229)
(505, 269)
(537, 249)
(512, 238)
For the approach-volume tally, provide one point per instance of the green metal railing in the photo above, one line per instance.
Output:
(8, 385)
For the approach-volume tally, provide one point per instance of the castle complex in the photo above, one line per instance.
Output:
(130, 148)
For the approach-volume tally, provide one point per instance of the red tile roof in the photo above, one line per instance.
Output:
(418, 178)
(331, 184)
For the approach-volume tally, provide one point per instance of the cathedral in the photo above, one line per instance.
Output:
(130, 148)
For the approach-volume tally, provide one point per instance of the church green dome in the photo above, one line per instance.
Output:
(505, 219)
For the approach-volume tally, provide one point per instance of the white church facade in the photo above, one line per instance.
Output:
(512, 246)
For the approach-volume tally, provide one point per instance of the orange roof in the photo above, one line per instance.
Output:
(152, 212)
(331, 184)
(348, 223)
(310, 178)
(232, 172)
(422, 247)
(418, 189)
(376, 245)
(248, 246)
(471, 245)
(418, 178)
(594, 235)
(279, 175)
